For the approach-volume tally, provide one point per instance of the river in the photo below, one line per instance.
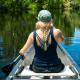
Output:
(15, 28)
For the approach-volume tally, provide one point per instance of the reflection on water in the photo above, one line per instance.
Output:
(74, 49)
(14, 30)
(13, 33)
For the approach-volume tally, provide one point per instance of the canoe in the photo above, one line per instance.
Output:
(21, 69)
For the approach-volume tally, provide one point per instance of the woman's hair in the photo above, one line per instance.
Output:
(44, 28)
(44, 25)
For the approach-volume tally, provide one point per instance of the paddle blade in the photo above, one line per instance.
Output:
(8, 68)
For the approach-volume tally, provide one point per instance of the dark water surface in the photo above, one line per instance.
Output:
(15, 28)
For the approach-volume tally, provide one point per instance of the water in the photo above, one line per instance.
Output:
(15, 28)
(74, 47)
(74, 50)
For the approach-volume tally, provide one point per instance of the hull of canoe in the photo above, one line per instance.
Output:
(21, 65)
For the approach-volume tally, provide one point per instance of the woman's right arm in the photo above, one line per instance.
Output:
(27, 45)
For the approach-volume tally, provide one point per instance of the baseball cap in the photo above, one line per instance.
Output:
(44, 16)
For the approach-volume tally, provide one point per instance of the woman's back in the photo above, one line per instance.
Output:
(42, 56)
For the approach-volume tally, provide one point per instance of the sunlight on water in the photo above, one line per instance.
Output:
(77, 33)
(73, 49)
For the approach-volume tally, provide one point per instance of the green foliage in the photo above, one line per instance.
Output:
(34, 5)
(33, 8)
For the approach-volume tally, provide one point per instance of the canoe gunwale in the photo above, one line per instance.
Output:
(71, 59)
(14, 73)
(14, 70)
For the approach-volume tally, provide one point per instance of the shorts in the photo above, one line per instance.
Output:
(48, 69)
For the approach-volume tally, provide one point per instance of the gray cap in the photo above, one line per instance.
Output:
(44, 16)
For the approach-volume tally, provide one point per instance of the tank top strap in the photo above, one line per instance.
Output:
(52, 34)
(34, 36)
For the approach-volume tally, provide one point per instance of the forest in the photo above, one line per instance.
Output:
(35, 5)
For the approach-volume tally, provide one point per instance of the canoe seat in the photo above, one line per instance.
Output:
(66, 72)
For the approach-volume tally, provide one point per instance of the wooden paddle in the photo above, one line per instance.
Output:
(8, 68)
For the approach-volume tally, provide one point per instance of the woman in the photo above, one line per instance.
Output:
(45, 39)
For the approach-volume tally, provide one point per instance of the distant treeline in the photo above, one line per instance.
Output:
(34, 5)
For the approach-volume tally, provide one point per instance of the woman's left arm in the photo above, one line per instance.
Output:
(59, 36)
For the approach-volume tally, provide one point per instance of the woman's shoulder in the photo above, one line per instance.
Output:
(56, 31)
(31, 35)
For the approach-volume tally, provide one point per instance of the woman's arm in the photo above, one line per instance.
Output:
(58, 35)
(27, 45)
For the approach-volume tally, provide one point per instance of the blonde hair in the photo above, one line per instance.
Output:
(44, 26)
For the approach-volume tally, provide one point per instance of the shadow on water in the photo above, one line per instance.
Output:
(15, 28)
(2, 75)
